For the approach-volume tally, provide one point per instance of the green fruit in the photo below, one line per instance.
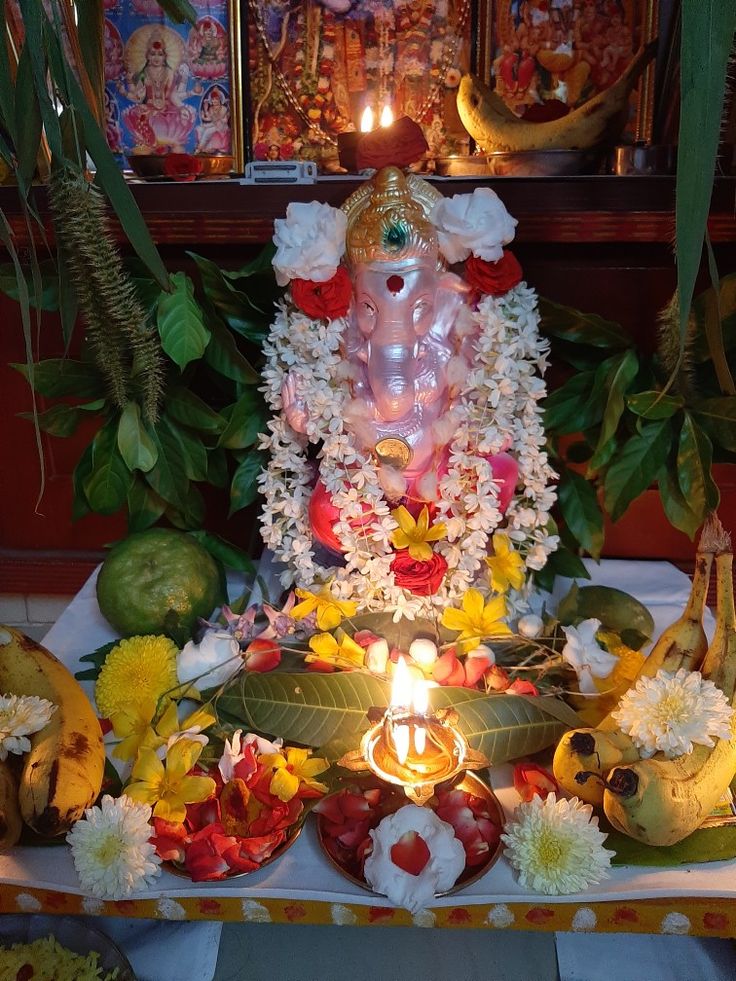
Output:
(158, 581)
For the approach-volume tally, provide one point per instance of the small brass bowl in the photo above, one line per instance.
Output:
(293, 833)
(152, 166)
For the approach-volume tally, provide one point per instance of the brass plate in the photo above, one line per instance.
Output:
(150, 167)
(176, 869)
(472, 784)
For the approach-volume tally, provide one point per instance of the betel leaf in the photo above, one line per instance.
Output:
(245, 420)
(180, 319)
(654, 405)
(106, 487)
(679, 513)
(581, 328)
(61, 376)
(619, 377)
(694, 459)
(636, 466)
(581, 511)
(134, 442)
(703, 845)
(227, 553)
(717, 416)
(244, 487)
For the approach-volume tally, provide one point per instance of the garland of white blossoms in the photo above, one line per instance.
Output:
(497, 409)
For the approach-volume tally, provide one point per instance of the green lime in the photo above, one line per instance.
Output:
(158, 581)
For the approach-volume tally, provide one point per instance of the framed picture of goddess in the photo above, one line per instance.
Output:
(173, 88)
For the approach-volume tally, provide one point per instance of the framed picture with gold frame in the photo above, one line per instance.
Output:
(174, 88)
(547, 56)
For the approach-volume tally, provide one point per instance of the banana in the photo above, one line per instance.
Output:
(495, 127)
(11, 823)
(660, 801)
(62, 772)
(591, 753)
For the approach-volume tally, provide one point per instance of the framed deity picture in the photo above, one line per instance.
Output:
(173, 88)
(315, 66)
(547, 56)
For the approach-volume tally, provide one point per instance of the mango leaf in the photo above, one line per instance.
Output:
(59, 420)
(223, 355)
(581, 511)
(654, 405)
(677, 509)
(566, 409)
(694, 459)
(703, 845)
(190, 410)
(135, 445)
(717, 416)
(145, 507)
(227, 553)
(245, 421)
(106, 487)
(581, 328)
(184, 336)
(636, 466)
(617, 610)
(62, 376)
(244, 489)
(618, 380)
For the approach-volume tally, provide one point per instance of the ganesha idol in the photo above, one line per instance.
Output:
(407, 350)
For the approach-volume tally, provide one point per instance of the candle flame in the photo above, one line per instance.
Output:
(366, 120)
(401, 742)
(401, 689)
(387, 116)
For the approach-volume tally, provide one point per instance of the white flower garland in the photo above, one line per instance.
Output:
(498, 408)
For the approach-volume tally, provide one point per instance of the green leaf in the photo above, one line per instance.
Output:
(62, 376)
(145, 507)
(694, 460)
(566, 410)
(246, 419)
(580, 328)
(179, 10)
(580, 509)
(561, 562)
(190, 410)
(244, 489)
(636, 466)
(59, 420)
(96, 659)
(617, 610)
(703, 845)
(654, 405)
(7, 87)
(106, 487)
(33, 20)
(82, 471)
(135, 445)
(223, 355)
(184, 336)
(217, 470)
(168, 478)
(67, 298)
(192, 513)
(193, 452)
(620, 376)
(698, 343)
(679, 514)
(718, 417)
(28, 125)
(227, 553)
(231, 304)
(262, 264)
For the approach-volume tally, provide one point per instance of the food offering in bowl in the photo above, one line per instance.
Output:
(185, 167)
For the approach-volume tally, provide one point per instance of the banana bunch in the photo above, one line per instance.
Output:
(495, 127)
(62, 773)
(584, 757)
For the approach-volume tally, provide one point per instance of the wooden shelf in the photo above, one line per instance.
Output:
(595, 209)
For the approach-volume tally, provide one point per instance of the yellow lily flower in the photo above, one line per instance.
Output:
(506, 565)
(290, 772)
(340, 650)
(477, 619)
(199, 720)
(168, 788)
(414, 535)
(330, 610)
(133, 726)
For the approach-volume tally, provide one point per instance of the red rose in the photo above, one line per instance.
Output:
(328, 300)
(182, 166)
(420, 578)
(494, 278)
(397, 145)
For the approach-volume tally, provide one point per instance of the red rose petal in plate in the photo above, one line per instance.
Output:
(520, 687)
(531, 780)
(475, 668)
(410, 853)
(202, 814)
(262, 655)
(321, 667)
(353, 833)
(365, 637)
(447, 670)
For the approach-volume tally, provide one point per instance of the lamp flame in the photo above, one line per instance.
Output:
(366, 120)
(401, 689)
(387, 116)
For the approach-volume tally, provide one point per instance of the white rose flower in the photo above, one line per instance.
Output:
(476, 223)
(583, 653)
(216, 657)
(310, 242)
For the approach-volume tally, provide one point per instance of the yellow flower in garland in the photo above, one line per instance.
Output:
(340, 650)
(415, 535)
(477, 619)
(330, 610)
(136, 669)
(506, 565)
(167, 787)
(294, 770)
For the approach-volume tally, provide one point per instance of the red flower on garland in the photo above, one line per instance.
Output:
(324, 300)
(182, 166)
(420, 578)
(494, 278)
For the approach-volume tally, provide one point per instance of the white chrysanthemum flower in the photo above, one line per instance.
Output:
(112, 852)
(556, 845)
(20, 717)
(670, 712)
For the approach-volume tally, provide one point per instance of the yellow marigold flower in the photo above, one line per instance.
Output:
(415, 535)
(506, 565)
(137, 668)
(340, 650)
(477, 619)
(168, 788)
(330, 610)
(292, 771)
